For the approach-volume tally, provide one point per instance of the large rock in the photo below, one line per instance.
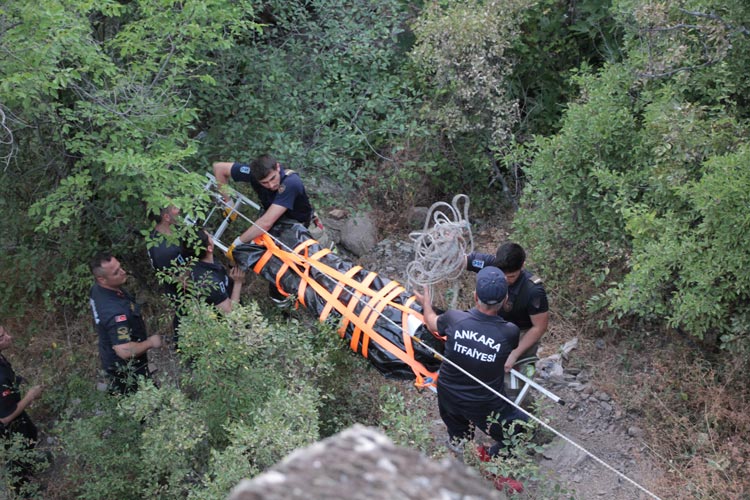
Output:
(334, 223)
(360, 463)
(359, 234)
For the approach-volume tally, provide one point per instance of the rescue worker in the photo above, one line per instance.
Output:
(165, 254)
(123, 341)
(13, 417)
(527, 304)
(282, 196)
(210, 279)
(479, 341)
(166, 258)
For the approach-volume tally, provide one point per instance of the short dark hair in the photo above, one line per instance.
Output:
(510, 257)
(262, 166)
(158, 216)
(96, 262)
(195, 244)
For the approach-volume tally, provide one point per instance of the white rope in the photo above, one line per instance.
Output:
(440, 248)
(438, 220)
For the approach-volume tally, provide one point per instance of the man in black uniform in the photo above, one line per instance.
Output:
(210, 279)
(479, 341)
(280, 191)
(282, 195)
(527, 305)
(166, 258)
(123, 341)
(13, 417)
(165, 254)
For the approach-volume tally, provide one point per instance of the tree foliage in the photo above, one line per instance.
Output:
(626, 119)
(643, 176)
(255, 392)
(321, 86)
(461, 49)
(96, 96)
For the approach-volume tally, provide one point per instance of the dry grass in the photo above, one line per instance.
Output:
(696, 415)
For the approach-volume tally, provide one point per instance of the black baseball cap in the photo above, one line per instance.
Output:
(492, 287)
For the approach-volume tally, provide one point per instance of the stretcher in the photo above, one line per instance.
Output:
(375, 315)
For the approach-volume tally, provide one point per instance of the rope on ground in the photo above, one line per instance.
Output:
(543, 424)
(440, 248)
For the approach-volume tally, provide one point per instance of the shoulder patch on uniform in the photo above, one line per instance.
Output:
(478, 263)
(122, 333)
(282, 188)
(245, 169)
(537, 280)
(121, 318)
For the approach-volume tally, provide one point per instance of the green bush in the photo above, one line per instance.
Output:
(407, 427)
(16, 460)
(320, 87)
(637, 197)
(689, 264)
(570, 218)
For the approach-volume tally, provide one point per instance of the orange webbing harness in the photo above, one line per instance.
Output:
(300, 262)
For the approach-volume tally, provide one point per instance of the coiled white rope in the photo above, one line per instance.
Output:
(440, 248)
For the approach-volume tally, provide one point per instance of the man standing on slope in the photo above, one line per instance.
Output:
(123, 341)
(479, 341)
(282, 195)
(166, 258)
(13, 417)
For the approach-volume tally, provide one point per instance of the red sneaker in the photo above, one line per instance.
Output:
(483, 453)
(506, 483)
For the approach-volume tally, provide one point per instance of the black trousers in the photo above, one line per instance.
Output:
(462, 418)
(22, 467)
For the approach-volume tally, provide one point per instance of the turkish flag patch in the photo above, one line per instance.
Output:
(120, 318)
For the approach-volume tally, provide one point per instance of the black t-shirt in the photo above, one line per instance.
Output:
(480, 344)
(10, 396)
(211, 282)
(525, 298)
(118, 320)
(164, 256)
(290, 195)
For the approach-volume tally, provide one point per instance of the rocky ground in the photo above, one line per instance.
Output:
(591, 418)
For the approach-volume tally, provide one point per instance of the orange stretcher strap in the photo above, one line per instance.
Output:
(366, 311)
(299, 249)
(406, 312)
(346, 311)
(353, 301)
(376, 313)
(303, 283)
(336, 292)
(262, 261)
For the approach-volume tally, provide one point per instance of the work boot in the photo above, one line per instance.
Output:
(483, 453)
(508, 484)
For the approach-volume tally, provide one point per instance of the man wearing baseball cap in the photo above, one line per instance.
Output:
(479, 341)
